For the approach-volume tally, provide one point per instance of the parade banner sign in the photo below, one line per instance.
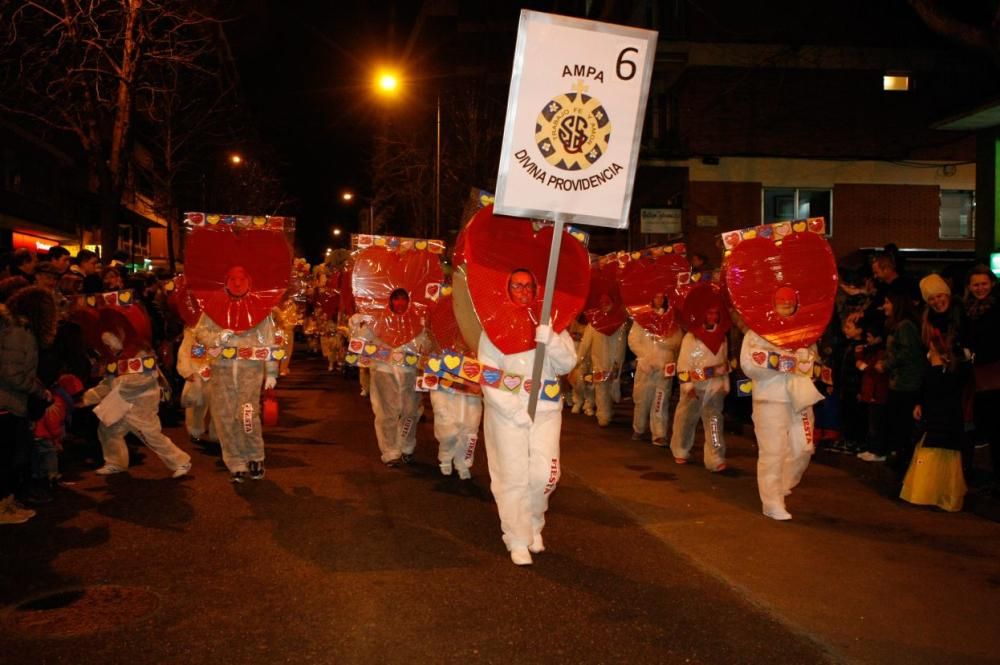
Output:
(574, 120)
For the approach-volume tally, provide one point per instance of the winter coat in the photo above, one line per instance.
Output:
(904, 357)
(18, 365)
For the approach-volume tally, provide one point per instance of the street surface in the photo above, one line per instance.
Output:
(334, 558)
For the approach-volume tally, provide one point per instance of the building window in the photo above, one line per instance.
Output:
(781, 203)
(958, 215)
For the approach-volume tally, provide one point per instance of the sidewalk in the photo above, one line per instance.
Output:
(871, 578)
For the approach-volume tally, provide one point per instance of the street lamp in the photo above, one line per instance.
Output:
(348, 197)
(387, 84)
(236, 159)
(336, 232)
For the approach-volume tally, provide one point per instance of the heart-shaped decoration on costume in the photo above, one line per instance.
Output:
(493, 247)
(511, 382)
(430, 381)
(421, 244)
(112, 367)
(355, 346)
(125, 297)
(471, 369)
(134, 364)
(552, 390)
(396, 358)
(491, 376)
(799, 227)
(259, 221)
(683, 376)
(804, 263)
(730, 240)
(214, 351)
(451, 361)
(259, 259)
(781, 230)
(527, 385)
(380, 271)
(434, 365)
(229, 353)
(262, 353)
(149, 362)
(745, 387)
(245, 353)
(91, 301)
(816, 224)
(370, 349)
(411, 359)
(759, 358)
(350, 358)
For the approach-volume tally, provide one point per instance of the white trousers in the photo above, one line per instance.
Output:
(651, 396)
(143, 420)
(524, 471)
(456, 427)
(785, 445)
(707, 407)
(396, 405)
(234, 404)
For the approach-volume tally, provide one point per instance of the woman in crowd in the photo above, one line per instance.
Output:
(904, 363)
(934, 477)
(27, 321)
(983, 325)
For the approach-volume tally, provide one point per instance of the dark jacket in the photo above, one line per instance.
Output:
(905, 357)
(18, 365)
(983, 331)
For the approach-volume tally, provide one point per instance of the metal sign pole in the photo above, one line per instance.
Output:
(550, 287)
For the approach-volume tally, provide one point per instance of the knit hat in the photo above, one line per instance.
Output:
(933, 285)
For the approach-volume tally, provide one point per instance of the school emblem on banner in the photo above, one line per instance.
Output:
(573, 130)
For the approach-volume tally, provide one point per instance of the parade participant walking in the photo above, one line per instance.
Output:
(785, 294)
(238, 269)
(604, 339)
(504, 257)
(194, 370)
(703, 370)
(394, 284)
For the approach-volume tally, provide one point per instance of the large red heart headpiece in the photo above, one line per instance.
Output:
(604, 308)
(642, 278)
(445, 326)
(380, 272)
(786, 261)
(130, 325)
(255, 263)
(494, 247)
(183, 303)
(697, 302)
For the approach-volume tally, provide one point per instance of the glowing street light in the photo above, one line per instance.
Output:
(347, 196)
(336, 232)
(387, 82)
(236, 159)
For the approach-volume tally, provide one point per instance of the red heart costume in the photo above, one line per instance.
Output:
(604, 308)
(495, 246)
(653, 271)
(698, 300)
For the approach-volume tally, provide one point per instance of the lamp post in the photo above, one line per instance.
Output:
(347, 197)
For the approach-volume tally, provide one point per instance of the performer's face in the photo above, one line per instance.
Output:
(521, 288)
(711, 318)
(658, 301)
(237, 282)
(399, 301)
(786, 301)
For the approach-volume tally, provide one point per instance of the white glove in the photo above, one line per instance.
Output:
(225, 335)
(522, 419)
(270, 382)
(543, 334)
(91, 397)
(112, 342)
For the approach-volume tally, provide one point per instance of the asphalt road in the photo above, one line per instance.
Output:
(334, 558)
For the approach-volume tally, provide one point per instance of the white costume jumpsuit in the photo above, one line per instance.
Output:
(582, 397)
(142, 392)
(523, 455)
(701, 399)
(395, 400)
(234, 390)
(606, 353)
(782, 420)
(195, 389)
(651, 391)
(456, 427)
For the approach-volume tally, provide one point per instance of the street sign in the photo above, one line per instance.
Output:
(660, 220)
(574, 120)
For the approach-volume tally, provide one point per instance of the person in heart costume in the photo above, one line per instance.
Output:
(603, 341)
(190, 368)
(238, 276)
(581, 378)
(505, 258)
(128, 398)
(782, 280)
(393, 287)
(649, 291)
(456, 415)
(703, 370)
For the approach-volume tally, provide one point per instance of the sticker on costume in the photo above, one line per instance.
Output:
(248, 418)
(744, 388)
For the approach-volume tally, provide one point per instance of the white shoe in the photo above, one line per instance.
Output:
(521, 556)
(11, 513)
(108, 470)
(537, 546)
(364, 393)
(464, 474)
(588, 412)
(869, 456)
(181, 470)
(446, 468)
(778, 513)
(575, 409)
